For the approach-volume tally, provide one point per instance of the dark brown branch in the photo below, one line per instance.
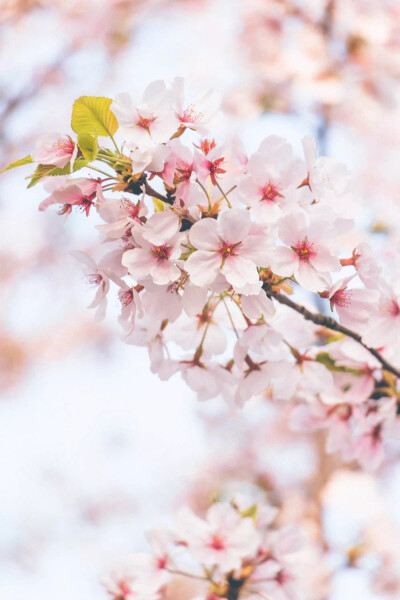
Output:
(329, 323)
(151, 192)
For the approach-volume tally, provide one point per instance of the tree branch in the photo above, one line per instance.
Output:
(151, 192)
(329, 323)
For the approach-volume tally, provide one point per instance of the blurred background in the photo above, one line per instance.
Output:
(94, 449)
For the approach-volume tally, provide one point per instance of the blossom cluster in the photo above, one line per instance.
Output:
(331, 55)
(236, 549)
(335, 65)
(207, 243)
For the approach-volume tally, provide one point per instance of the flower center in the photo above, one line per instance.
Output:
(394, 308)
(214, 168)
(145, 122)
(341, 298)
(131, 208)
(190, 115)
(342, 411)
(183, 173)
(125, 297)
(217, 543)
(304, 250)
(94, 279)
(282, 577)
(226, 249)
(161, 252)
(206, 146)
(64, 147)
(270, 192)
(87, 203)
(124, 588)
(162, 562)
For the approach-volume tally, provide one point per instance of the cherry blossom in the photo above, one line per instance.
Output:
(383, 329)
(198, 115)
(151, 120)
(271, 175)
(354, 306)
(219, 262)
(54, 149)
(222, 541)
(227, 246)
(158, 245)
(306, 253)
(79, 192)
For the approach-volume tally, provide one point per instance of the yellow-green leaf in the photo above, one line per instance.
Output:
(88, 146)
(51, 171)
(158, 205)
(250, 512)
(18, 163)
(91, 114)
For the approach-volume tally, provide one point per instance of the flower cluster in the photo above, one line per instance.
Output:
(333, 64)
(208, 243)
(236, 549)
(348, 53)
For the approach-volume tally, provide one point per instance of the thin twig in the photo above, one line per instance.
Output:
(151, 192)
(224, 195)
(329, 323)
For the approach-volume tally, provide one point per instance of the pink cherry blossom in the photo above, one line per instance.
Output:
(384, 325)
(227, 246)
(180, 170)
(133, 579)
(271, 175)
(276, 571)
(220, 541)
(99, 276)
(158, 247)
(354, 306)
(375, 427)
(79, 192)
(198, 115)
(54, 149)
(130, 306)
(306, 253)
(211, 163)
(151, 121)
(119, 214)
(326, 176)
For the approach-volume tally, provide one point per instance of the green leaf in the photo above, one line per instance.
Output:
(250, 512)
(51, 171)
(18, 163)
(88, 146)
(92, 115)
(158, 205)
(325, 359)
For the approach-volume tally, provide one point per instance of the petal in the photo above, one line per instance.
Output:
(283, 261)
(308, 277)
(203, 267)
(291, 228)
(324, 261)
(164, 271)
(257, 248)
(160, 228)
(234, 225)
(257, 306)
(240, 271)
(138, 262)
(203, 235)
